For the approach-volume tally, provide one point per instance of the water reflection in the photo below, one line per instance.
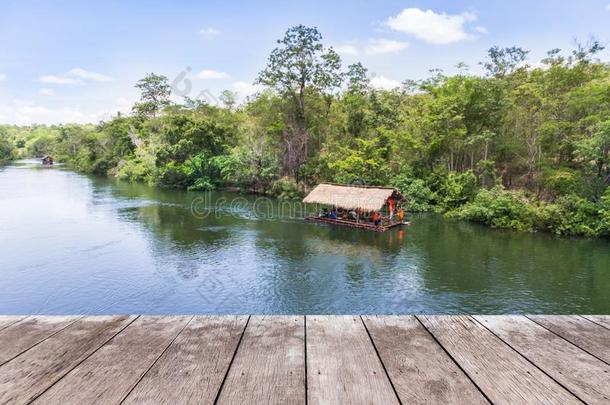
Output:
(73, 244)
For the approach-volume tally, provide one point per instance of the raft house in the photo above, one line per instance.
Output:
(47, 160)
(358, 199)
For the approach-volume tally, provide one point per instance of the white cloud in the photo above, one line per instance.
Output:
(382, 46)
(608, 6)
(86, 75)
(246, 89)
(53, 79)
(24, 113)
(382, 82)
(374, 47)
(74, 76)
(209, 74)
(346, 50)
(481, 30)
(46, 92)
(432, 27)
(21, 112)
(2, 77)
(209, 32)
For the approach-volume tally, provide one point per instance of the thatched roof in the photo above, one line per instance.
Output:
(350, 197)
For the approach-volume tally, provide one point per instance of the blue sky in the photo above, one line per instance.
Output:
(76, 61)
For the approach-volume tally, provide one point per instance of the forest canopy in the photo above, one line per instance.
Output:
(521, 147)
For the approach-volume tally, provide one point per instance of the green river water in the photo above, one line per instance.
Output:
(73, 244)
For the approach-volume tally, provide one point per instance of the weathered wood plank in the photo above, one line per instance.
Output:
(420, 370)
(585, 334)
(6, 321)
(603, 320)
(584, 375)
(27, 376)
(192, 369)
(342, 365)
(111, 372)
(269, 366)
(22, 335)
(501, 373)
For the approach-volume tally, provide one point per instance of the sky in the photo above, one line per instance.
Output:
(78, 61)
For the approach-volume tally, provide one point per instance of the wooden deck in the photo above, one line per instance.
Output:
(305, 360)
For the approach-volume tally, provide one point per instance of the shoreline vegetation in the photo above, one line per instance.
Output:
(519, 147)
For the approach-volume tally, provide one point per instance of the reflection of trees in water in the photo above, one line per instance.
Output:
(288, 265)
(501, 271)
(326, 268)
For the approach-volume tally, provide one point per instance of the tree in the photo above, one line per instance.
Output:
(228, 99)
(503, 61)
(357, 80)
(155, 91)
(299, 64)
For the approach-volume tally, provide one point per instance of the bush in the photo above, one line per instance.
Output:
(603, 226)
(498, 208)
(571, 215)
(562, 182)
(419, 197)
(137, 169)
(457, 189)
(286, 189)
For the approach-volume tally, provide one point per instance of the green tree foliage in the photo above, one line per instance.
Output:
(302, 71)
(7, 148)
(155, 91)
(521, 148)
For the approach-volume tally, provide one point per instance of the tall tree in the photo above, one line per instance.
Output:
(154, 95)
(503, 61)
(300, 64)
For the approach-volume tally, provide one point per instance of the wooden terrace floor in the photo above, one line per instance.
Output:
(298, 360)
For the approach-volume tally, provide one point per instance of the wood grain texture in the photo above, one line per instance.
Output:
(582, 374)
(419, 368)
(500, 372)
(192, 369)
(111, 372)
(24, 334)
(585, 334)
(27, 376)
(269, 366)
(603, 320)
(342, 365)
(6, 321)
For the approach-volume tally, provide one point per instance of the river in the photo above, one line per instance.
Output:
(76, 244)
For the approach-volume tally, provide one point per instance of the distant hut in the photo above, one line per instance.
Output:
(47, 160)
(347, 200)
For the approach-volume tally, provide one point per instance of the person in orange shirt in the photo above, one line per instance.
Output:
(400, 214)
(375, 217)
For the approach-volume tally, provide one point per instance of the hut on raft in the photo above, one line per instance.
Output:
(47, 160)
(365, 207)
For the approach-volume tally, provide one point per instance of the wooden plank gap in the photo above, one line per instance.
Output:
(25, 346)
(385, 370)
(243, 332)
(155, 361)
(535, 364)
(601, 320)
(6, 321)
(586, 339)
(35, 398)
(453, 359)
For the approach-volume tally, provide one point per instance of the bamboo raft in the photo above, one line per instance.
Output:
(364, 199)
(359, 225)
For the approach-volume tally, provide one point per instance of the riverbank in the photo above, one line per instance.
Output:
(466, 145)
